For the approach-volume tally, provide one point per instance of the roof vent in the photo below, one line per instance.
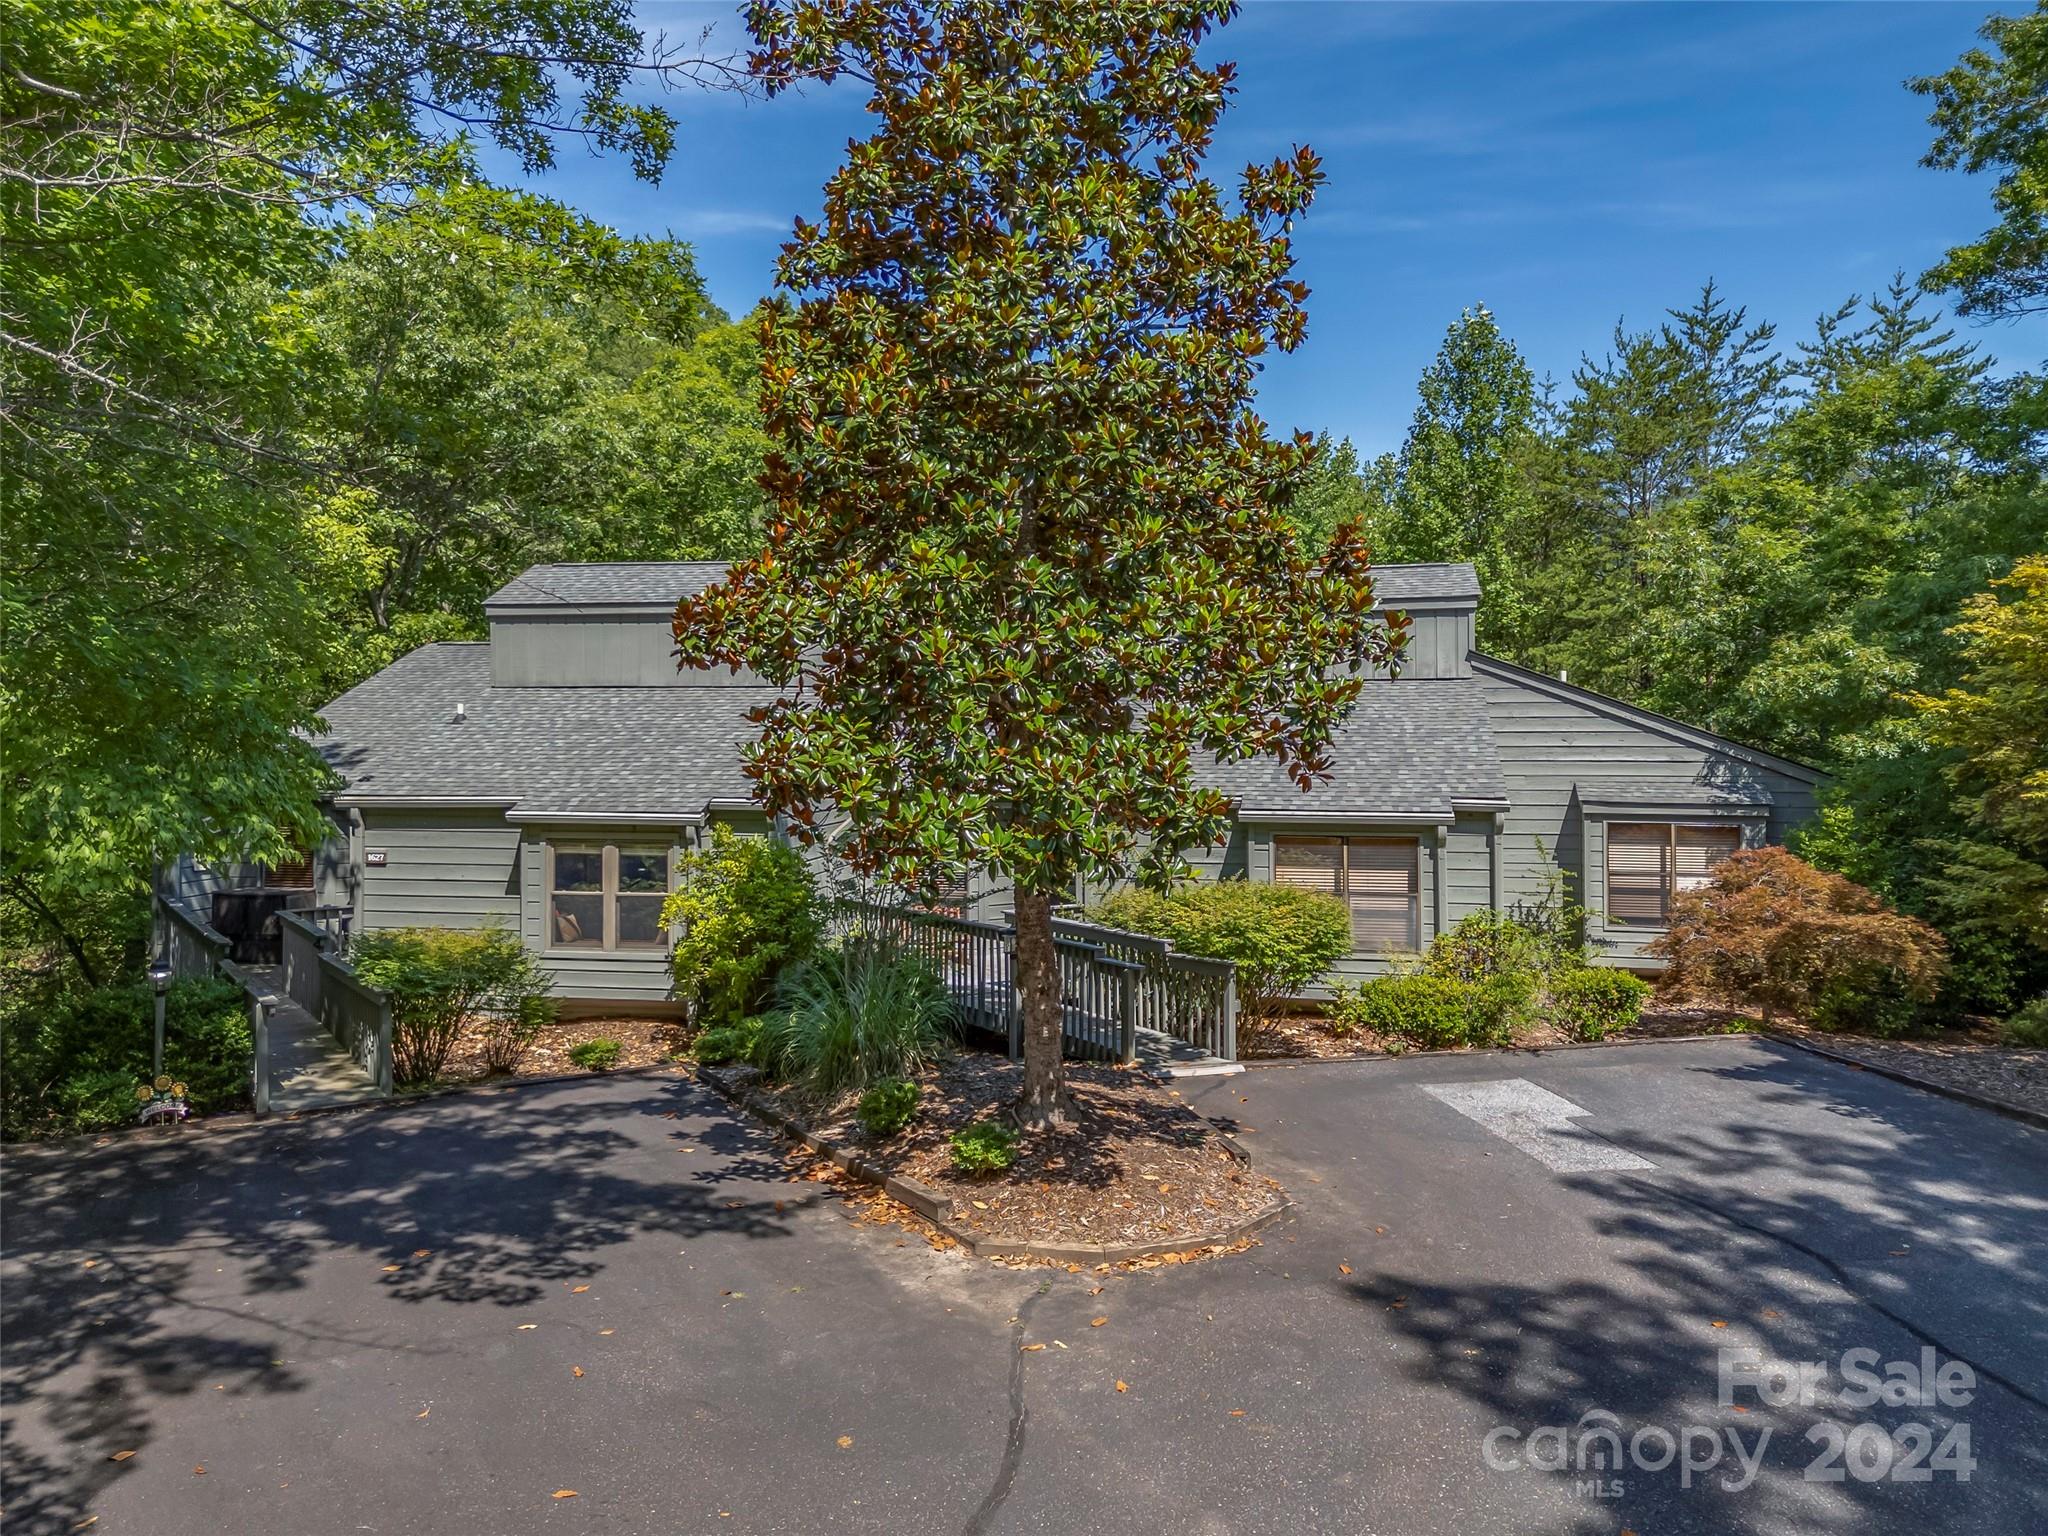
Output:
(461, 713)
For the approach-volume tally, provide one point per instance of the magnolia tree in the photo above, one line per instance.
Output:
(1029, 562)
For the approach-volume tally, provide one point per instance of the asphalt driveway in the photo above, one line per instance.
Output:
(375, 1322)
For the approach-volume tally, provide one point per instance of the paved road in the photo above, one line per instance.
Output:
(372, 1322)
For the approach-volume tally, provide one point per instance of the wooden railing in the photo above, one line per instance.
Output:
(1112, 984)
(188, 942)
(357, 1014)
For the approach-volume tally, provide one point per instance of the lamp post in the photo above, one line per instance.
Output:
(160, 980)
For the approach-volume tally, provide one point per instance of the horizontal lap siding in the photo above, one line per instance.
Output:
(442, 869)
(1549, 745)
(603, 976)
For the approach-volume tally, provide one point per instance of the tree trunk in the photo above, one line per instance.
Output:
(1043, 1105)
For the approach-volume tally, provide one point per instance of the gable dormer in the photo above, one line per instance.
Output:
(596, 625)
(1441, 602)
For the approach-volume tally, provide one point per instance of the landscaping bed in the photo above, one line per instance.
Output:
(643, 1042)
(1137, 1169)
(1969, 1059)
(1310, 1035)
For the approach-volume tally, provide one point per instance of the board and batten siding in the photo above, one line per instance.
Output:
(1549, 741)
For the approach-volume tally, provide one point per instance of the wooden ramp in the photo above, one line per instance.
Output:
(308, 1067)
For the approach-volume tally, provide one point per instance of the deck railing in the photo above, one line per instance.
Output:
(187, 941)
(357, 1014)
(1112, 983)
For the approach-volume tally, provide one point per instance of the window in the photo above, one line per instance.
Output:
(1378, 878)
(292, 874)
(606, 896)
(1649, 862)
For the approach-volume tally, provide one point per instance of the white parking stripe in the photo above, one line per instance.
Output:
(1537, 1121)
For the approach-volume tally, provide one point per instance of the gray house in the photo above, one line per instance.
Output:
(549, 778)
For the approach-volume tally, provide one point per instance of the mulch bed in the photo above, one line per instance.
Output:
(643, 1042)
(1971, 1058)
(1137, 1165)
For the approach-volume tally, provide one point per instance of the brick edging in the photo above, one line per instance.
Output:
(937, 1209)
(2019, 1112)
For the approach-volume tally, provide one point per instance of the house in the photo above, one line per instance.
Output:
(550, 777)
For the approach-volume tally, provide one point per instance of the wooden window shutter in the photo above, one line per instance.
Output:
(293, 874)
(1382, 886)
(1638, 871)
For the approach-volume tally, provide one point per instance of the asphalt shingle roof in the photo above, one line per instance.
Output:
(635, 583)
(657, 751)
(649, 583)
(1394, 585)
(1409, 748)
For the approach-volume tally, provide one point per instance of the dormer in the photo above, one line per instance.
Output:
(596, 625)
(1441, 602)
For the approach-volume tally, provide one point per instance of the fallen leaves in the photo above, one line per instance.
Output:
(526, 1327)
(578, 1290)
(846, 1442)
(423, 1413)
(120, 1455)
(1122, 1385)
(1030, 1349)
(1237, 1413)
(1343, 1269)
(1097, 1322)
(576, 1371)
(199, 1471)
(1719, 1324)
(605, 1333)
(563, 1493)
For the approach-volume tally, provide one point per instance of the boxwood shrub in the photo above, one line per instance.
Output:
(1592, 1002)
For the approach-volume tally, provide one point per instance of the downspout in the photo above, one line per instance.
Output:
(1438, 861)
(1493, 890)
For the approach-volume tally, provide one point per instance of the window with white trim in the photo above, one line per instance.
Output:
(1650, 862)
(606, 895)
(1377, 878)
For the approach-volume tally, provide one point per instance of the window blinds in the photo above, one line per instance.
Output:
(1376, 878)
(1638, 871)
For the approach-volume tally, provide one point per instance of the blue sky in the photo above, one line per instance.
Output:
(1566, 165)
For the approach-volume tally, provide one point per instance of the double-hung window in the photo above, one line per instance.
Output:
(1377, 878)
(1650, 862)
(606, 896)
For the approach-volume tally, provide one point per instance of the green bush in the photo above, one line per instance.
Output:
(62, 1061)
(1481, 945)
(888, 1106)
(2027, 1029)
(599, 1055)
(728, 1043)
(1496, 1007)
(1429, 1011)
(1282, 939)
(854, 1015)
(438, 979)
(988, 1146)
(1592, 1002)
(748, 911)
(1870, 1001)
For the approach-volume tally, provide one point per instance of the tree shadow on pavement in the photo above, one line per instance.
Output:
(138, 1272)
(1792, 1239)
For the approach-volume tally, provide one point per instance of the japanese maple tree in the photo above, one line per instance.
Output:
(1029, 564)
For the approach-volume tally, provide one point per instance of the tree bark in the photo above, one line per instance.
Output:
(27, 896)
(1043, 1105)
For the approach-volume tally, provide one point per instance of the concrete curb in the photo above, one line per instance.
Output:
(1268, 1063)
(2025, 1116)
(937, 1209)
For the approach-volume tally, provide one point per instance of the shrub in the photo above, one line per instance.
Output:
(748, 910)
(509, 1032)
(987, 1146)
(1281, 939)
(437, 978)
(1496, 1007)
(854, 1015)
(62, 1060)
(599, 1055)
(888, 1106)
(728, 1043)
(1482, 945)
(1768, 928)
(2027, 1029)
(1430, 1011)
(1592, 1002)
